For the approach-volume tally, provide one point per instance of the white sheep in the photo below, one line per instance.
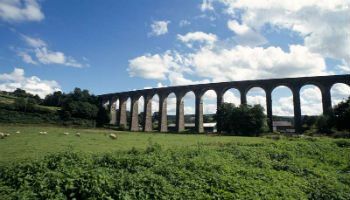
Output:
(66, 133)
(43, 133)
(18, 131)
(2, 135)
(77, 134)
(113, 136)
(7, 134)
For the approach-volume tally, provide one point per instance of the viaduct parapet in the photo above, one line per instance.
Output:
(324, 83)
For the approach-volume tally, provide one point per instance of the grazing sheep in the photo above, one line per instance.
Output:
(7, 134)
(77, 134)
(2, 135)
(113, 136)
(43, 133)
(66, 133)
(18, 131)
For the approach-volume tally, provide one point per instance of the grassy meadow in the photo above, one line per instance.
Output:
(29, 143)
(169, 166)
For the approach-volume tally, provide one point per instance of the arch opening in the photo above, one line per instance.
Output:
(128, 112)
(140, 111)
(189, 111)
(171, 111)
(282, 110)
(310, 100)
(155, 112)
(339, 92)
(232, 95)
(209, 100)
(257, 96)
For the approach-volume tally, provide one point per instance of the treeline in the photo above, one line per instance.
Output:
(78, 107)
(335, 122)
(251, 121)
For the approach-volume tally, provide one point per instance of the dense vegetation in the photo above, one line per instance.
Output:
(75, 108)
(242, 120)
(334, 123)
(284, 169)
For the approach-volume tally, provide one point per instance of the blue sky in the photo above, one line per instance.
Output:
(109, 46)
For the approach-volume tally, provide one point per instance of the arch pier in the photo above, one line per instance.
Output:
(119, 117)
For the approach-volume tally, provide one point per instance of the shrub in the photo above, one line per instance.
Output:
(243, 120)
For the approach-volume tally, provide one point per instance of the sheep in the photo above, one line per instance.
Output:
(113, 136)
(18, 131)
(2, 135)
(7, 134)
(43, 133)
(77, 134)
(66, 133)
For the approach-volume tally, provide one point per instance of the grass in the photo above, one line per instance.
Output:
(9, 100)
(29, 144)
(169, 166)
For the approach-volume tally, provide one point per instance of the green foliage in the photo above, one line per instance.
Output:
(297, 169)
(54, 99)
(25, 104)
(342, 115)
(102, 116)
(243, 120)
(23, 94)
(80, 104)
(324, 123)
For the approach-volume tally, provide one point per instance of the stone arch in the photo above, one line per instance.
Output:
(114, 106)
(189, 109)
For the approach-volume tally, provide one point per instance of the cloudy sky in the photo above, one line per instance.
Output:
(109, 46)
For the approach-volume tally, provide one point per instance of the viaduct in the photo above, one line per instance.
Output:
(324, 83)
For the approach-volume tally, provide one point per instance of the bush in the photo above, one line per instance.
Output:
(243, 120)
(342, 115)
(273, 170)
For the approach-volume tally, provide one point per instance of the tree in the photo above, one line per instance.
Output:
(25, 104)
(54, 99)
(102, 116)
(243, 120)
(80, 104)
(341, 113)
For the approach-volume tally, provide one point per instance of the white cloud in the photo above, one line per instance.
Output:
(324, 25)
(34, 42)
(245, 35)
(17, 79)
(237, 63)
(26, 57)
(239, 29)
(184, 23)
(207, 5)
(159, 28)
(151, 66)
(39, 50)
(176, 78)
(339, 92)
(20, 10)
(246, 63)
(230, 97)
(200, 37)
(310, 101)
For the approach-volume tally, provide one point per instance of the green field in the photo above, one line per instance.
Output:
(29, 143)
(169, 166)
